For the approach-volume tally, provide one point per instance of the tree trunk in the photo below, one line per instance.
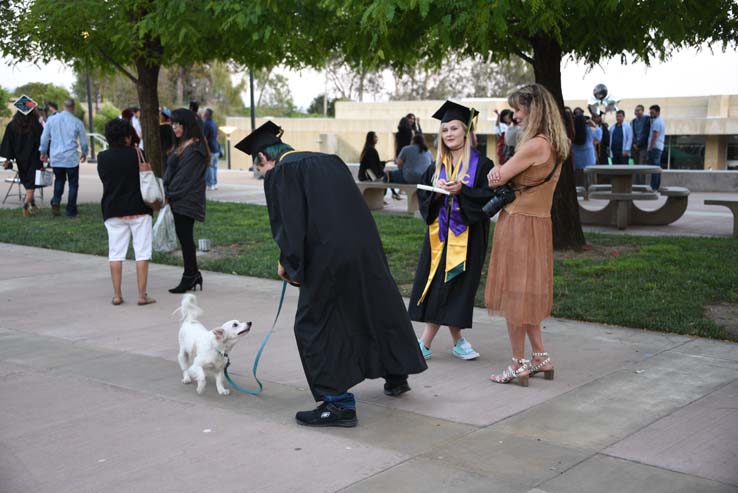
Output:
(148, 98)
(567, 227)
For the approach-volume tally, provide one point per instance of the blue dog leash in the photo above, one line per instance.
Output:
(258, 353)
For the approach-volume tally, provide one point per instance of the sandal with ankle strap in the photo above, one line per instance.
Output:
(547, 374)
(521, 373)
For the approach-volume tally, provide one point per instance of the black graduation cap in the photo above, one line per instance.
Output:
(454, 111)
(25, 104)
(264, 136)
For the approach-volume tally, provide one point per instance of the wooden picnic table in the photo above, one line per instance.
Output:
(621, 211)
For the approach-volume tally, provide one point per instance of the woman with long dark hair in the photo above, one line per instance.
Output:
(184, 183)
(369, 160)
(20, 143)
(520, 279)
(582, 150)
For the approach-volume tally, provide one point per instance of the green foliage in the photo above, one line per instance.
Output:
(43, 92)
(316, 106)
(106, 113)
(655, 283)
(4, 99)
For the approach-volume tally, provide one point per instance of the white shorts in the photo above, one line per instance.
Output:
(119, 232)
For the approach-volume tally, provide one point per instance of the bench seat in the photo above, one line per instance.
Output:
(373, 193)
(730, 204)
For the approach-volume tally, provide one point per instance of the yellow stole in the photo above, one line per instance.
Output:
(455, 245)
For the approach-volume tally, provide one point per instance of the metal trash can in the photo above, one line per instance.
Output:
(203, 245)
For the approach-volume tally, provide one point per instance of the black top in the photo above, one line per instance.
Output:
(371, 161)
(118, 171)
(351, 322)
(22, 147)
(184, 181)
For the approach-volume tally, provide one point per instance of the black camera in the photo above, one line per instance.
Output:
(503, 195)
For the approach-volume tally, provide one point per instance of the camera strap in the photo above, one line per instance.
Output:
(545, 180)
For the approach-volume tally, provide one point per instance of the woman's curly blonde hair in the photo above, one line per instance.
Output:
(544, 118)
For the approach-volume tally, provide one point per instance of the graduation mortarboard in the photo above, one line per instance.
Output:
(454, 111)
(264, 136)
(25, 104)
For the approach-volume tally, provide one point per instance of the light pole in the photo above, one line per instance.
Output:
(228, 131)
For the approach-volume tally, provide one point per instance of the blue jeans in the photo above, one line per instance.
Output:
(211, 176)
(654, 159)
(395, 176)
(60, 177)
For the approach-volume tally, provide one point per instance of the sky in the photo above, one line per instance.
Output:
(686, 73)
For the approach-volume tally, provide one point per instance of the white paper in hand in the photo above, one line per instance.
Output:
(434, 189)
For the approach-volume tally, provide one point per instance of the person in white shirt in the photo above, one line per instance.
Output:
(656, 143)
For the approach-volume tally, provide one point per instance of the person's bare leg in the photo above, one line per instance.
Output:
(429, 333)
(516, 333)
(116, 274)
(455, 334)
(536, 343)
(142, 275)
(29, 197)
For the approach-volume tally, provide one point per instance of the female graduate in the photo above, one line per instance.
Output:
(450, 263)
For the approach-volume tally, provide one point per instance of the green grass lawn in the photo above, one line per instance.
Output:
(659, 283)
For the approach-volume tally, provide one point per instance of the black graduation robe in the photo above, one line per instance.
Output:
(351, 322)
(452, 303)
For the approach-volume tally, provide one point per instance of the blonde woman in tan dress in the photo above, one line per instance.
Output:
(520, 278)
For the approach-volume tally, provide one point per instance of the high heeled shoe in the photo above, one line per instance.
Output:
(521, 373)
(188, 283)
(547, 374)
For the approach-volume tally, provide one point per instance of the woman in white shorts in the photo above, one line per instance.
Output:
(123, 208)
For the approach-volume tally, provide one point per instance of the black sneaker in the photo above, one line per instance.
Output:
(396, 390)
(328, 414)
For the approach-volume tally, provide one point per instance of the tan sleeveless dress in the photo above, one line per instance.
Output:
(520, 278)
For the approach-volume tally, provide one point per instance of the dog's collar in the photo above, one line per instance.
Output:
(222, 353)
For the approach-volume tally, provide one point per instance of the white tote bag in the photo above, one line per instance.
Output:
(44, 177)
(165, 235)
(152, 189)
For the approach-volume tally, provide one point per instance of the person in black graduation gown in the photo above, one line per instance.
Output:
(330, 247)
(20, 143)
(455, 245)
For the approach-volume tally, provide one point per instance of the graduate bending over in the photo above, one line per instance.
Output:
(330, 247)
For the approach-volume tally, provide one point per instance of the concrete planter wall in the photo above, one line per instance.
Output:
(701, 181)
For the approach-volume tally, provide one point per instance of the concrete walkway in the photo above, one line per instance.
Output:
(91, 400)
(241, 186)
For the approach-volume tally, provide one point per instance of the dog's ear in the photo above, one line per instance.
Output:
(219, 332)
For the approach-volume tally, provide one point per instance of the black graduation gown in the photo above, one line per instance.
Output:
(452, 303)
(351, 322)
(23, 148)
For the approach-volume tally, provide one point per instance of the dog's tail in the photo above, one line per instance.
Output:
(188, 310)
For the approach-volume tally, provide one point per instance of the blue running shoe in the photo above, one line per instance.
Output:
(427, 353)
(464, 350)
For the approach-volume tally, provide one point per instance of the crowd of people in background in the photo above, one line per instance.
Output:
(594, 142)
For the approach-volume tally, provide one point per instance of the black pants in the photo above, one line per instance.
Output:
(185, 227)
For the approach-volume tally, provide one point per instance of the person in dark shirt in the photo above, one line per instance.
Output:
(210, 131)
(369, 160)
(123, 209)
(184, 186)
(167, 136)
(20, 143)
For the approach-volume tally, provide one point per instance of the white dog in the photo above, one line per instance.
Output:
(202, 350)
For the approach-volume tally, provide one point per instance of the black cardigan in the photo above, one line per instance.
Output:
(118, 171)
(184, 181)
